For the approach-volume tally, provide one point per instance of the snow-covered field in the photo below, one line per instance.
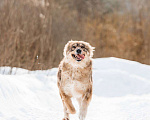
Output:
(121, 92)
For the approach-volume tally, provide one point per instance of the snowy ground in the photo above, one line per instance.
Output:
(121, 92)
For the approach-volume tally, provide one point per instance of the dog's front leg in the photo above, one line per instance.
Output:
(84, 103)
(68, 106)
(83, 110)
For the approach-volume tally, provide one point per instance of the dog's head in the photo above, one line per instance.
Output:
(78, 50)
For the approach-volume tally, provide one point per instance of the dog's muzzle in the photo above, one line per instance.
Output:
(78, 57)
(78, 51)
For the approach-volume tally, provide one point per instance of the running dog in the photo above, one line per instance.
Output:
(75, 77)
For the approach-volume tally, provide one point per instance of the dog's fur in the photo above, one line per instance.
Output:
(75, 78)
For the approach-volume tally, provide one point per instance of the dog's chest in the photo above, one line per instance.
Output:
(75, 80)
(78, 74)
(74, 88)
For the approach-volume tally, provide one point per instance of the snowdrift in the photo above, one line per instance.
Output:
(121, 92)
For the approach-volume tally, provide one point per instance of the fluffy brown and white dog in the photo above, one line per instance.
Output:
(75, 77)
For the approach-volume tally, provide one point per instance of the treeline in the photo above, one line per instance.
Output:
(33, 33)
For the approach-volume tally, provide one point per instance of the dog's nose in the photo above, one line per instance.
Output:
(78, 51)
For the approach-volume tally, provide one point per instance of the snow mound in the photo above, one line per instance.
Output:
(115, 77)
(121, 92)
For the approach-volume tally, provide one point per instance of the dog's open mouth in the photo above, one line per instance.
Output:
(78, 57)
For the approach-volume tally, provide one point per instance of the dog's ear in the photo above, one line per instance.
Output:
(91, 49)
(67, 48)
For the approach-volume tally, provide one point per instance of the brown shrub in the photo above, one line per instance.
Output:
(28, 30)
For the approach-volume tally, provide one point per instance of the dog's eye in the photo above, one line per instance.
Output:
(82, 47)
(73, 46)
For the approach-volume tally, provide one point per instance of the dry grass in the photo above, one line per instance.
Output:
(25, 33)
(28, 30)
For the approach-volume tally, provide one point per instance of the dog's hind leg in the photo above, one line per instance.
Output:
(66, 115)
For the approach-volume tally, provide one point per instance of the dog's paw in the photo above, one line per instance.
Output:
(82, 116)
(65, 119)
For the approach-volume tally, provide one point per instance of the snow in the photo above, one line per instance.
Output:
(121, 92)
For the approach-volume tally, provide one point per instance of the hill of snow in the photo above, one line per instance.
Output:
(121, 92)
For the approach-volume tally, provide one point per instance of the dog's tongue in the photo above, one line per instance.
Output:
(80, 56)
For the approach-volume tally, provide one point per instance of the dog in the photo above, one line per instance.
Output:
(74, 77)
